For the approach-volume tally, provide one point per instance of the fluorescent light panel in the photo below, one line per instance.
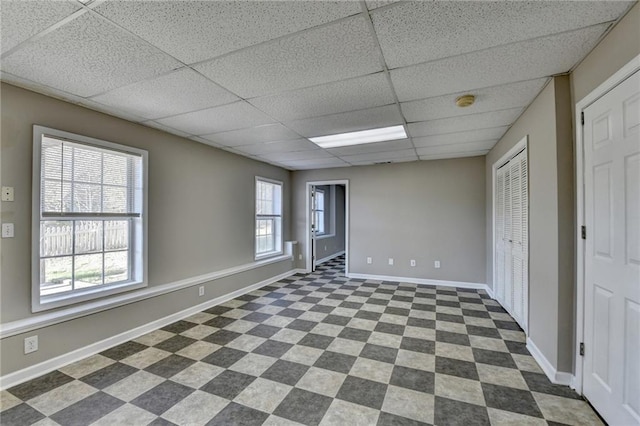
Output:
(364, 136)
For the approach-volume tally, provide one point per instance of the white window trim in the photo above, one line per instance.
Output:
(140, 249)
(270, 254)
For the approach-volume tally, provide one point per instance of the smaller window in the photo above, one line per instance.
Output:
(318, 211)
(268, 218)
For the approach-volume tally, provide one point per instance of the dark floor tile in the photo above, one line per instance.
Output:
(418, 345)
(424, 295)
(224, 357)
(501, 359)
(228, 384)
(312, 300)
(175, 343)
(222, 337)
(303, 407)
(263, 330)
(40, 385)
(448, 303)
(256, 317)
(376, 301)
(246, 297)
(421, 322)
(21, 414)
(447, 292)
(88, 410)
(517, 347)
(386, 419)
(273, 348)
(457, 413)
(476, 314)
(316, 341)
(252, 306)
(276, 295)
(402, 298)
(283, 303)
(238, 415)
(336, 362)
(285, 372)
(169, 366)
(495, 308)
(336, 320)
(360, 293)
(124, 350)
(108, 375)
(302, 292)
(302, 325)
(220, 322)
(379, 353)
(538, 382)
(456, 367)
(384, 291)
(397, 311)
(364, 392)
(355, 334)
(159, 421)
(368, 315)
(474, 330)
(472, 300)
(453, 338)
(323, 309)
(162, 397)
(507, 325)
(179, 327)
(449, 318)
(385, 327)
(291, 313)
(510, 399)
(218, 310)
(418, 380)
(337, 296)
(423, 307)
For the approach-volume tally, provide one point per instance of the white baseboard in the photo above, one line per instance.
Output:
(60, 361)
(330, 257)
(461, 284)
(556, 377)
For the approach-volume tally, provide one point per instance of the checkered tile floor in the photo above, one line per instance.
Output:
(313, 349)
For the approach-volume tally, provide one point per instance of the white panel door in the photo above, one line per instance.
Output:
(612, 253)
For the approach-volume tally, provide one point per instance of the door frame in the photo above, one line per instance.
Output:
(622, 74)
(512, 152)
(309, 207)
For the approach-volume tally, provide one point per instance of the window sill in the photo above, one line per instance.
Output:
(266, 256)
(45, 303)
(323, 236)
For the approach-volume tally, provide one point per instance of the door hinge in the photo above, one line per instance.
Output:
(582, 118)
(584, 232)
(581, 349)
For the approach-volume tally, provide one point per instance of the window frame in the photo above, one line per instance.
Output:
(138, 245)
(279, 237)
(323, 210)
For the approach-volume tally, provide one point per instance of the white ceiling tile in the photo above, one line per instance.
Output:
(490, 99)
(500, 65)
(178, 92)
(165, 128)
(381, 156)
(278, 147)
(415, 32)
(253, 135)
(463, 123)
(456, 148)
(219, 119)
(461, 137)
(322, 163)
(383, 161)
(330, 53)
(88, 56)
(20, 20)
(374, 4)
(357, 93)
(366, 148)
(205, 141)
(193, 31)
(314, 154)
(352, 121)
(455, 155)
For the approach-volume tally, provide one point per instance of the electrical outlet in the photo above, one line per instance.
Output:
(7, 230)
(369, 261)
(299, 257)
(436, 264)
(412, 262)
(30, 344)
(390, 261)
(7, 193)
(201, 290)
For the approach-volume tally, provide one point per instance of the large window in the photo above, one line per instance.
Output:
(318, 211)
(268, 217)
(89, 218)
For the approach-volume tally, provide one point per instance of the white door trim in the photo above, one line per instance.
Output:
(308, 237)
(617, 78)
(522, 144)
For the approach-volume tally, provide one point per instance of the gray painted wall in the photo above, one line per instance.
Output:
(201, 220)
(427, 210)
(334, 242)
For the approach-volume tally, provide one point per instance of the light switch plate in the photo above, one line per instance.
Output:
(7, 193)
(7, 230)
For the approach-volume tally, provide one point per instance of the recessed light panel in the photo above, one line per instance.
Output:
(357, 138)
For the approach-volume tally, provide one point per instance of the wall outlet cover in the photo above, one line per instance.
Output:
(30, 344)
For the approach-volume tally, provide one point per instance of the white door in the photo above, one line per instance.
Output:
(314, 228)
(512, 232)
(612, 253)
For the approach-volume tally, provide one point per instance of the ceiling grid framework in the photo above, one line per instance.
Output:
(260, 78)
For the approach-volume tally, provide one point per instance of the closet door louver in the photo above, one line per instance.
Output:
(499, 238)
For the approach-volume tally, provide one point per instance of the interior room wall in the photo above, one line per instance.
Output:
(426, 210)
(201, 220)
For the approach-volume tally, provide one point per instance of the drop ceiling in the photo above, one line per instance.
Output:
(258, 78)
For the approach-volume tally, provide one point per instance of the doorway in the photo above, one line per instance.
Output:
(608, 317)
(327, 222)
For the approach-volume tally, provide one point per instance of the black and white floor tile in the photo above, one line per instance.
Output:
(316, 349)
